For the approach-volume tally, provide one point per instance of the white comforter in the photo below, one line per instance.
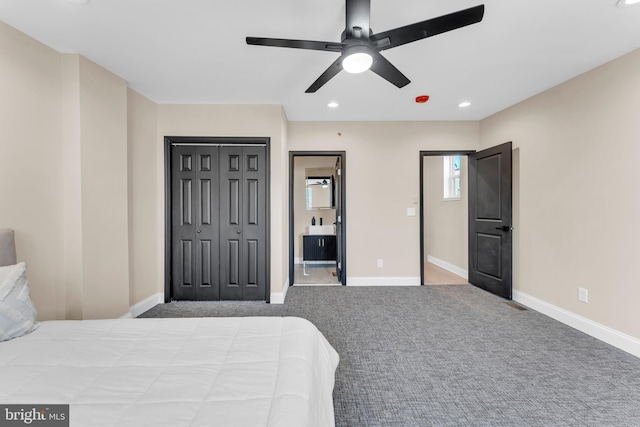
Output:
(251, 371)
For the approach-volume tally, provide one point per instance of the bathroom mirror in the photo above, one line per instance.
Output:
(320, 189)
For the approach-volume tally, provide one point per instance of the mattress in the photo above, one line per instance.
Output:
(247, 371)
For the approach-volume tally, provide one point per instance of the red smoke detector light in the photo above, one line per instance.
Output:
(422, 99)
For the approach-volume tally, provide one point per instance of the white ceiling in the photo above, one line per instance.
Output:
(194, 51)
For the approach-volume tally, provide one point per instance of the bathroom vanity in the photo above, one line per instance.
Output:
(319, 248)
(319, 244)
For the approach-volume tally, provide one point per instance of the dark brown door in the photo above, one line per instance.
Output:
(219, 227)
(338, 204)
(490, 236)
(195, 223)
(243, 193)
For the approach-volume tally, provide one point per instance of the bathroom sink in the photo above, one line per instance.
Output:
(322, 229)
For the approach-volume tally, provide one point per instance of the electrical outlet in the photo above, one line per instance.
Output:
(380, 263)
(411, 211)
(583, 295)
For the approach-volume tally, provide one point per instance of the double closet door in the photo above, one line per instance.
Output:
(219, 227)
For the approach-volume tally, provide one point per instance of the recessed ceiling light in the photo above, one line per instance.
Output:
(464, 104)
(623, 3)
(333, 105)
(78, 1)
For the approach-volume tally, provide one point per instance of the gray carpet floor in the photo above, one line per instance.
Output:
(452, 356)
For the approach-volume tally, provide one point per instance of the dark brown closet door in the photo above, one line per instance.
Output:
(243, 228)
(195, 223)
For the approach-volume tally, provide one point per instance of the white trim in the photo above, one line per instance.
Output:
(603, 333)
(448, 266)
(300, 261)
(317, 284)
(383, 281)
(146, 304)
(278, 297)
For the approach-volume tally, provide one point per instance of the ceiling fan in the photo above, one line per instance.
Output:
(324, 183)
(360, 47)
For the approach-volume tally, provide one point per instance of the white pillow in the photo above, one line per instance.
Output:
(17, 313)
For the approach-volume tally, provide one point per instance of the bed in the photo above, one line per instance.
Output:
(251, 371)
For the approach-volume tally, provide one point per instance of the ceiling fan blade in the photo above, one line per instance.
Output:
(358, 17)
(387, 71)
(296, 44)
(428, 28)
(329, 73)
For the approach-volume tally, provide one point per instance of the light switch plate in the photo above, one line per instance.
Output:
(411, 211)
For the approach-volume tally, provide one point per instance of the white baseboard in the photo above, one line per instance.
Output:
(144, 305)
(383, 281)
(278, 297)
(603, 333)
(332, 263)
(448, 266)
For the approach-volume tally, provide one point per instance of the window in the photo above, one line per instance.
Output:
(451, 177)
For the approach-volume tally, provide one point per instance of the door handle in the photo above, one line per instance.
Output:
(198, 231)
(504, 228)
(239, 231)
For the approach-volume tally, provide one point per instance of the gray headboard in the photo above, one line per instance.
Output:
(7, 248)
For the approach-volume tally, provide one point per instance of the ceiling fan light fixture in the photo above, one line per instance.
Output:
(357, 59)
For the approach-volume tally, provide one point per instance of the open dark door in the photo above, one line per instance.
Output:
(490, 237)
(338, 204)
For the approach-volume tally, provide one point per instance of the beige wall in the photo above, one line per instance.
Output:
(446, 226)
(63, 177)
(382, 175)
(302, 216)
(233, 121)
(103, 130)
(578, 204)
(72, 187)
(30, 163)
(142, 139)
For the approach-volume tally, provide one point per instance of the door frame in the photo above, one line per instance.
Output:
(342, 201)
(219, 141)
(424, 154)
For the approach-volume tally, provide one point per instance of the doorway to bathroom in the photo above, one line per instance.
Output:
(317, 221)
